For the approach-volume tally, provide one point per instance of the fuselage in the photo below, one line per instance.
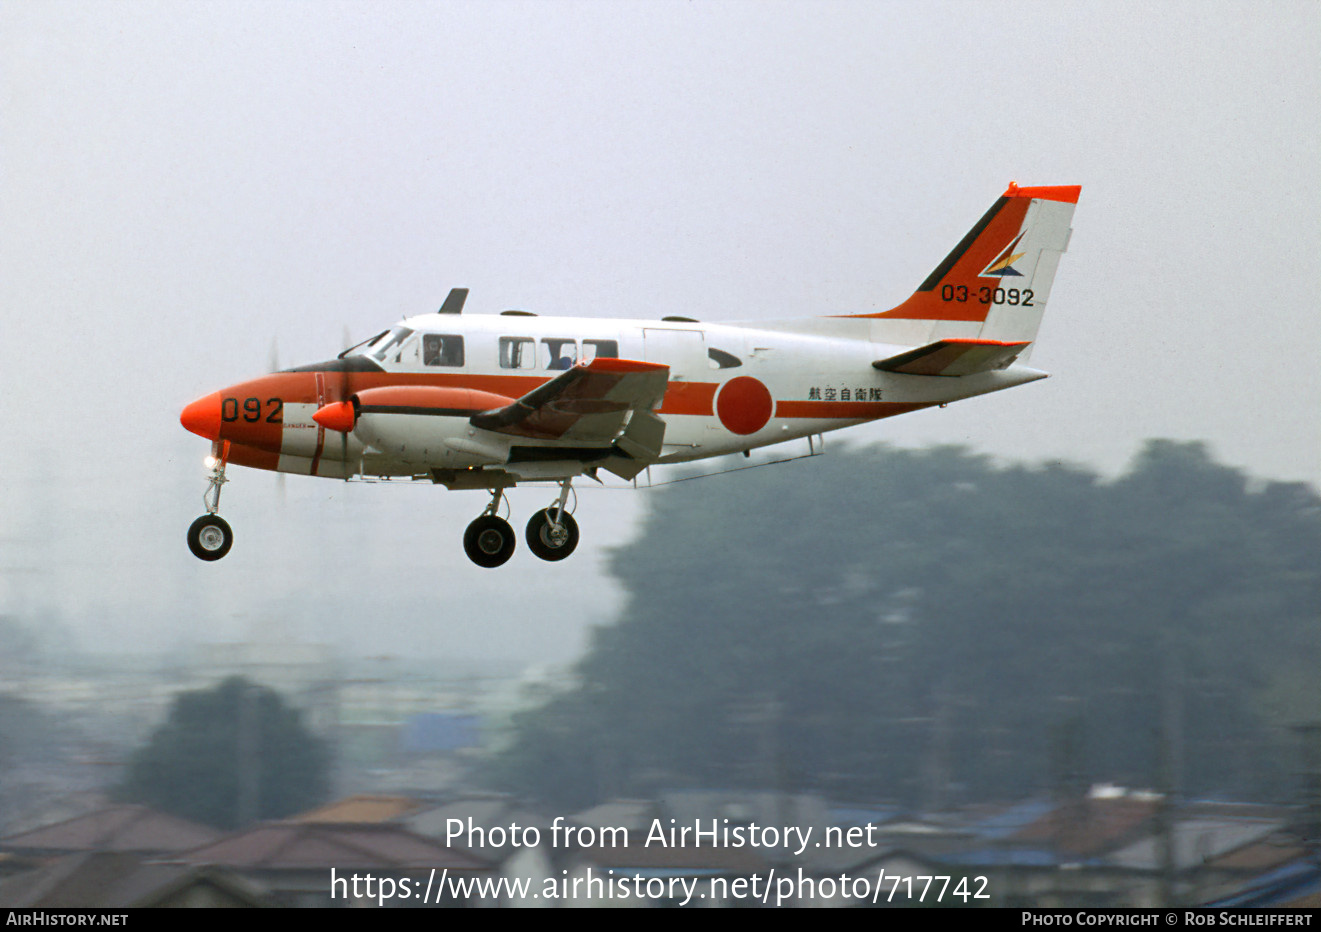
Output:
(731, 387)
(489, 401)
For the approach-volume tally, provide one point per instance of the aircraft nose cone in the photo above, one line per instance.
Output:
(202, 417)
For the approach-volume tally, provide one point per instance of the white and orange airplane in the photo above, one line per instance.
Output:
(491, 401)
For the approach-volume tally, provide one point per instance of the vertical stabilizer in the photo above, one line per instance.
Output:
(995, 283)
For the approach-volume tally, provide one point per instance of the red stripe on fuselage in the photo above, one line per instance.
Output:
(697, 398)
(318, 387)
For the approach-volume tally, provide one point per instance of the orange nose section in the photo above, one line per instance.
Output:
(202, 417)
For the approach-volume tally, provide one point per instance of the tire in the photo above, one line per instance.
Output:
(210, 537)
(545, 542)
(489, 541)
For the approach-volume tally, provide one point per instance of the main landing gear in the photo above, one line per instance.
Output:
(489, 541)
(210, 536)
(552, 534)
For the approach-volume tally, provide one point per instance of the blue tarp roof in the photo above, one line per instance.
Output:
(440, 731)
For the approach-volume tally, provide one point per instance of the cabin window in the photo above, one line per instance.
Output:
(518, 353)
(442, 349)
(558, 353)
(722, 360)
(595, 348)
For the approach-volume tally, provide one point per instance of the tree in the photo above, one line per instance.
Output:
(929, 642)
(229, 755)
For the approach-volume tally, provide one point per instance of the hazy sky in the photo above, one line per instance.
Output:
(184, 183)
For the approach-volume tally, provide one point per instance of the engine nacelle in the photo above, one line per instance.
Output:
(424, 425)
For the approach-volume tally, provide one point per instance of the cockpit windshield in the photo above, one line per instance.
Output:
(387, 341)
(361, 345)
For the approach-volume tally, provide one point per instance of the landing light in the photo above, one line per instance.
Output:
(210, 462)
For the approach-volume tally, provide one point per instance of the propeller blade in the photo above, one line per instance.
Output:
(345, 392)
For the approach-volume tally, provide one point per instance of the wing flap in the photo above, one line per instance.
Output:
(588, 404)
(953, 357)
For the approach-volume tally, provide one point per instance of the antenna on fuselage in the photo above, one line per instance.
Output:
(454, 302)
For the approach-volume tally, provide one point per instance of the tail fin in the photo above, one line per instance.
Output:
(1001, 272)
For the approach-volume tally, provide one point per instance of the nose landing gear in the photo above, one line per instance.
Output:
(210, 536)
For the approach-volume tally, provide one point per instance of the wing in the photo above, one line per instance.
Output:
(953, 357)
(606, 404)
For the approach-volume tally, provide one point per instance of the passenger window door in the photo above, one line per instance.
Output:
(684, 351)
(605, 348)
(518, 353)
(558, 353)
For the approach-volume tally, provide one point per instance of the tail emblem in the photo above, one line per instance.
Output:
(1003, 264)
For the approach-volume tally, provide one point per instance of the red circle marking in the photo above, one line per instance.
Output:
(744, 405)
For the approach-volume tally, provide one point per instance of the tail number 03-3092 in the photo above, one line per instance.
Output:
(987, 295)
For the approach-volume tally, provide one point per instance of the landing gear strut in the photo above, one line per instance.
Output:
(210, 536)
(489, 541)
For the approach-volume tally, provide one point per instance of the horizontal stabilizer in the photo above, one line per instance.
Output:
(953, 357)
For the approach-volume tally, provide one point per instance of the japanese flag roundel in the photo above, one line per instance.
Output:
(744, 405)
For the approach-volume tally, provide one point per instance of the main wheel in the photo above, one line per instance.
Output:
(210, 537)
(548, 541)
(489, 541)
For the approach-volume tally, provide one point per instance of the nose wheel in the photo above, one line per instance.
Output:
(210, 537)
